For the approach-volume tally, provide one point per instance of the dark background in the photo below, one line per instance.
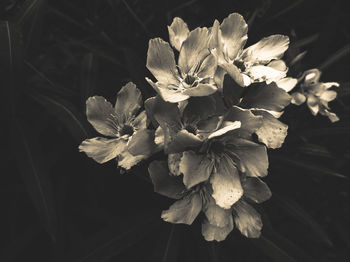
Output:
(59, 205)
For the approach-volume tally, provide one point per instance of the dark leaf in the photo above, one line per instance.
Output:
(67, 113)
(31, 163)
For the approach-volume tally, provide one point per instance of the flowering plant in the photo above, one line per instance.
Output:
(214, 117)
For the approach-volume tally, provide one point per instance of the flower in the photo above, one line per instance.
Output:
(257, 63)
(218, 222)
(194, 74)
(316, 94)
(129, 140)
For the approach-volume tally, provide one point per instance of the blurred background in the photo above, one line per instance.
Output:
(59, 205)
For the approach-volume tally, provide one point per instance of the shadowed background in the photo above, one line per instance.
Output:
(59, 205)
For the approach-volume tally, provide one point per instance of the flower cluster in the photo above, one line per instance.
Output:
(316, 94)
(214, 116)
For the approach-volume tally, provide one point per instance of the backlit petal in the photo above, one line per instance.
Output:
(247, 219)
(142, 143)
(228, 127)
(256, 190)
(102, 149)
(287, 83)
(211, 232)
(201, 90)
(312, 103)
(178, 32)
(129, 101)
(298, 98)
(216, 215)
(168, 93)
(328, 95)
(127, 160)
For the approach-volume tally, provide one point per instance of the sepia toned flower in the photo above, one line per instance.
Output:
(316, 94)
(193, 75)
(128, 139)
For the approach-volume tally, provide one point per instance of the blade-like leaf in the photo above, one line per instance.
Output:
(67, 113)
(316, 169)
(296, 211)
(88, 76)
(31, 164)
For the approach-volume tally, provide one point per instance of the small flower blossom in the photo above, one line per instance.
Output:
(257, 63)
(316, 94)
(129, 141)
(194, 74)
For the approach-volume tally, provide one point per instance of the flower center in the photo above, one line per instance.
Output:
(191, 129)
(240, 65)
(190, 81)
(126, 130)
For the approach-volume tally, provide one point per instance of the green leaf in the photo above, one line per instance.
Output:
(316, 169)
(88, 76)
(67, 114)
(296, 211)
(31, 163)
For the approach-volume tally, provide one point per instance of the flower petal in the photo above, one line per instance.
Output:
(102, 149)
(140, 122)
(159, 137)
(264, 96)
(227, 188)
(211, 232)
(192, 51)
(178, 32)
(208, 67)
(184, 211)
(287, 83)
(168, 94)
(127, 160)
(328, 95)
(195, 168)
(161, 61)
(298, 98)
(217, 216)
(142, 143)
(252, 156)
(201, 90)
(182, 141)
(272, 132)
(332, 116)
(312, 103)
(174, 163)
(199, 108)
(268, 48)
(247, 220)
(256, 190)
(249, 122)
(163, 182)
(102, 116)
(235, 73)
(228, 127)
(312, 76)
(129, 101)
(234, 31)
(265, 73)
(232, 92)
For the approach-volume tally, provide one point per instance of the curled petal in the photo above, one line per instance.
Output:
(227, 188)
(298, 98)
(268, 48)
(102, 149)
(312, 103)
(229, 127)
(249, 122)
(247, 220)
(191, 52)
(234, 34)
(168, 93)
(102, 116)
(129, 101)
(201, 90)
(178, 32)
(127, 160)
(161, 61)
(272, 132)
(184, 211)
(287, 83)
(195, 168)
(332, 116)
(256, 190)
(236, 74)
(330, 84)
(312, 76)
(163, 182)
(140, 122)
(211, 232)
